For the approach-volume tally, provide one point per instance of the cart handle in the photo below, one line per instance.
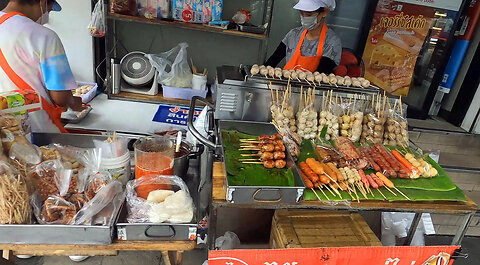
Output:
(170, 235)
(280, 195)
(192, 129)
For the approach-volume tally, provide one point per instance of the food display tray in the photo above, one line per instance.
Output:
(298, 83)
(71, 116)
(56, 234)
(261, 194)
(59, 234)
(153, 231)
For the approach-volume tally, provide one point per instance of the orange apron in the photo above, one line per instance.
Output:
(55, 112)
(309, 63)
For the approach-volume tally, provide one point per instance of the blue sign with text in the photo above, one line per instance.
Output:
(174, 115)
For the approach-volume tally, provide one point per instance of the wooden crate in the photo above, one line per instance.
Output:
(315, 228)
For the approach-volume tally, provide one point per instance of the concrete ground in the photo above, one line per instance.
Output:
(195, 257)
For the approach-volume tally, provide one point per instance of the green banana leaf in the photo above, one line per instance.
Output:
(440, 188)
(241, 174)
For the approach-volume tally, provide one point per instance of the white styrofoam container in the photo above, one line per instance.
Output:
(182, 93)
(91, 94)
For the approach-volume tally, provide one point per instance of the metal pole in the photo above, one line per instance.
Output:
(457, 240)
(413, 228)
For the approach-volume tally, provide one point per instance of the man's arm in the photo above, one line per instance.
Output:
(66, 99)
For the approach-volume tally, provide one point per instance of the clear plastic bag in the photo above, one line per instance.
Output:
(396, 127)
(96, 183)
(54, 210)
(14, 197)
(329, 117)
(373, 121)
(53, 179)
(97, 21)
(101, 209)
(307, 115)
(172, 66)
(351, 118)
(165, 206)
(283, 113)
(21, 153)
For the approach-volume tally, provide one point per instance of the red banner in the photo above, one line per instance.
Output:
(432, 255)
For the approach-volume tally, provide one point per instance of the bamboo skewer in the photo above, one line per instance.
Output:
(381, 193)
(333, 194)
(402, 193)
(394, 194)
(316, 195)
(324, 194)
(247, 162)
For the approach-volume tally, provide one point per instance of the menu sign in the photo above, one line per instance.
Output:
(397, 34)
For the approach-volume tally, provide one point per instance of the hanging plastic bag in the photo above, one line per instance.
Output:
(173, 205)
(172, 66)
(97, 21)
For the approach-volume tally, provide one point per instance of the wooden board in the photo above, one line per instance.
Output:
(219, 191)
(313, 229)
(185, 25)
(99, 250)
(219, 200)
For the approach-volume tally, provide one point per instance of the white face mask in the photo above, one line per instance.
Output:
(45, 16)
(309, 22)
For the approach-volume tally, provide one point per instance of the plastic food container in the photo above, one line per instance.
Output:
(91, 94)
(183, 93)
(119, 167)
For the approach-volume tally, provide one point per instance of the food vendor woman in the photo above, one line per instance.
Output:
(313, 46)
(32, 58)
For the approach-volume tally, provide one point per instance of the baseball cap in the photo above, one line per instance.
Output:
(312, 5)
(56, 6)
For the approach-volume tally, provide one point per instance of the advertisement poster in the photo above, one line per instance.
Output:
(431, 255)
(399, 30)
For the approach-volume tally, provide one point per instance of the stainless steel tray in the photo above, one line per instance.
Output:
(155, 232)
(75, 117)
(56, 234)
(59, 234)
(261, 194)
(297, 83)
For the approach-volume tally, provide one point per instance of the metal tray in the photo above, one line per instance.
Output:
(59, 234)
(261, 194)
(56, 234)
(297, 83)
(72, 117)
(155, 232)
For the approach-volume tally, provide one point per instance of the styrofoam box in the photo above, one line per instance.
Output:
(91, 94)
(182, 93)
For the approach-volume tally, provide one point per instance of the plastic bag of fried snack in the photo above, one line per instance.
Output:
(101, 209)
(22, 154)
(14, 197)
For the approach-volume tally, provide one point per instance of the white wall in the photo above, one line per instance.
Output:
(71, 26)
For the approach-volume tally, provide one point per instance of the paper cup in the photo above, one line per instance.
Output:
(199, 82)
